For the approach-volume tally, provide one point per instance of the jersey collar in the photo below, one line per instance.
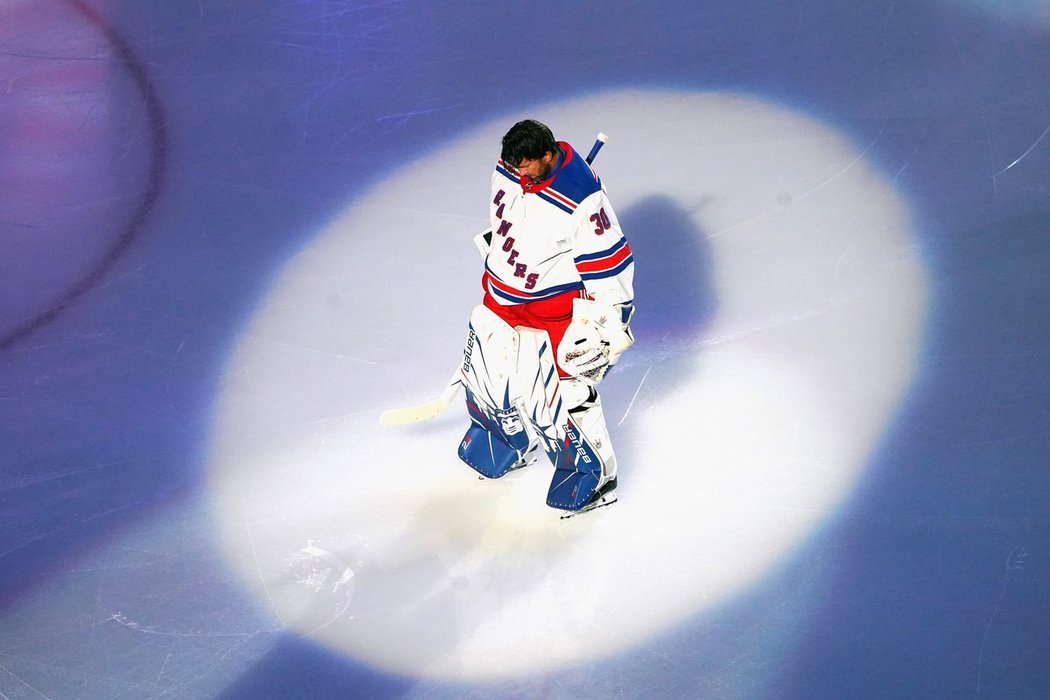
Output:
(528, 186)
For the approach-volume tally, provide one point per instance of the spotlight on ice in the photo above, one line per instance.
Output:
(734, 445)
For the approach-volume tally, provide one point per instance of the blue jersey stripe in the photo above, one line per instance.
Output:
(602, 254)
(520, 297)
(507, 174)
(551, 200)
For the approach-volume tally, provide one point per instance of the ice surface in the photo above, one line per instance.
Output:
(232, 233)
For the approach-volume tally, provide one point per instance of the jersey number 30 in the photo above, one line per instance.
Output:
(601, 222)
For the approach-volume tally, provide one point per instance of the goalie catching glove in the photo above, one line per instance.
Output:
(597, 336)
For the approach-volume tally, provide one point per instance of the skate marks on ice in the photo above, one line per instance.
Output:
(782, 332)
(326, 581)
(152, 612)
(668, 238)
(1024, 13)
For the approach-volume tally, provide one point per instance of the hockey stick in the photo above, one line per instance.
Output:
(424, 411)
(598, 143)
(432, 409)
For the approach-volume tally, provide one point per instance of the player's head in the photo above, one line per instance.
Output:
(528, 140)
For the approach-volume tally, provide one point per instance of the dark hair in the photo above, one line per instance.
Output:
(528, 139)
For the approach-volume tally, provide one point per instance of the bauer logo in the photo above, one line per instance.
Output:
(468, 349)
(574, 438)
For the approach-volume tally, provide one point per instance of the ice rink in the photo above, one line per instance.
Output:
(233, 232)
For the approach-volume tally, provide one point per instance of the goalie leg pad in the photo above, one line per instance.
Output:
(511, 382)
(577, 472)
(585, 464)
(487, 453)
(494, 444)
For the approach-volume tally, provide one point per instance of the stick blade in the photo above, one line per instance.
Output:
(424, 411)
(412, 414)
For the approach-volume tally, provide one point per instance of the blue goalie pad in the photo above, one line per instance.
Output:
(577, 472)
(487, 453)
(496, 439)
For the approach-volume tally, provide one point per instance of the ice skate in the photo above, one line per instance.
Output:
(605, 496)
(528, 459)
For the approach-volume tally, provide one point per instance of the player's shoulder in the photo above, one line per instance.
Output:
(575, 181)
(501, 173)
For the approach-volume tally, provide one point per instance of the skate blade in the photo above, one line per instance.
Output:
(513, 469)
(604, 501)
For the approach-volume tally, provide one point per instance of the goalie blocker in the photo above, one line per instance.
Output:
(519, 405)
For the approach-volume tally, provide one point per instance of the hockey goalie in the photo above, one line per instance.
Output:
(555, 317)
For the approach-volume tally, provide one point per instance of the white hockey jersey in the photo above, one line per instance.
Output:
(557, 236)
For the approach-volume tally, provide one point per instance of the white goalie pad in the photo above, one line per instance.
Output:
(590, 419)
(518, 402)
(513, 378)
